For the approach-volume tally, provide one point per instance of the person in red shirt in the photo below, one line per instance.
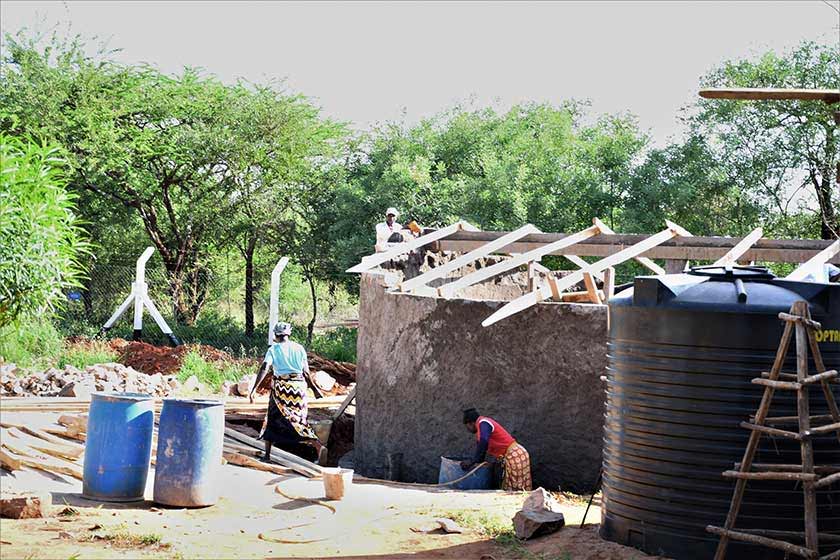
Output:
(491, 438)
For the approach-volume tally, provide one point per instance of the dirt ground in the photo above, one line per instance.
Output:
(372, 521)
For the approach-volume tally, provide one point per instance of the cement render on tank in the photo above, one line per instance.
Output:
(422, 360)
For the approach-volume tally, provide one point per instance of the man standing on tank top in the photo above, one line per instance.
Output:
(493, 439)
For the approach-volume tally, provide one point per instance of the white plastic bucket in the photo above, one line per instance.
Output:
(337, 482)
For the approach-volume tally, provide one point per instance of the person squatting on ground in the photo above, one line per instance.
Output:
(493, 439)
(285, 423)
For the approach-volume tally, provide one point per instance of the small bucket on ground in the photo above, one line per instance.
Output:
(337, 482)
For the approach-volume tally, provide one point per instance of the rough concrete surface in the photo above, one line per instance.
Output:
(422, 360)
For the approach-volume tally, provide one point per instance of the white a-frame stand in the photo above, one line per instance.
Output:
(140, 296)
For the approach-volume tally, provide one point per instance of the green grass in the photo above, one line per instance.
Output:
(211, 374)
(39, 345)
(495, 526)
(88, 354)
(30, 343)
(120, 536)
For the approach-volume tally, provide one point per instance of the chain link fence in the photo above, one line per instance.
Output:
(220, 322)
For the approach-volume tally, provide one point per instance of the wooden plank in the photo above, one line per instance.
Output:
(789, 385)
(9, 460)
(463, 260)
(767, 94)
(647, 263)
(819, 430)
(731, 257)
(544, 292)
(697, 248)
(244, 461)
(578, 297)
(825, 481)
(294, 462)
(56, 450)
(804, 320)
(609, 283)
(771, 431)
(350, 396)
(813, 264)
(800, 308)
(591, 288)
(774, 475)
(38, 460)
(449, 290)
(763, 541)
(379, 258)
(820, 377)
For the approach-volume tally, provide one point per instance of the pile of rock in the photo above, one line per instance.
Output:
(75, 382)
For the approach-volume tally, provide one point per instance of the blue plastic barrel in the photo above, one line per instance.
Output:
(450, 469)
(118, 446)
(189, 452)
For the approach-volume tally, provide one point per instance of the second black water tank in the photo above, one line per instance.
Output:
(682, 352)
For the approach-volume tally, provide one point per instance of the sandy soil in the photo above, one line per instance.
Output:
(372, 521)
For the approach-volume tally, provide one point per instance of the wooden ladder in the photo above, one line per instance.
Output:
(811, 476)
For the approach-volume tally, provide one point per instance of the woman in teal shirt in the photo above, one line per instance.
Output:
(285, 423)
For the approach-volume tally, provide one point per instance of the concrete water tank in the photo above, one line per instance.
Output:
(681, 353)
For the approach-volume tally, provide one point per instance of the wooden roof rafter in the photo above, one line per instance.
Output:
(398, 250)
(553, 286)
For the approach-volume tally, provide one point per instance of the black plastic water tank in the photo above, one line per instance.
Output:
(682, 351)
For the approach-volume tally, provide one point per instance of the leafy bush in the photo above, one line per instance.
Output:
(40, 239)
(338, 344)
(30, 343)
(210, 374)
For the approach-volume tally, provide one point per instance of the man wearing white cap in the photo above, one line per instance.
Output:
(386, 229)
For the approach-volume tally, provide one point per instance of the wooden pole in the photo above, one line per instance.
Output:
(803, 408)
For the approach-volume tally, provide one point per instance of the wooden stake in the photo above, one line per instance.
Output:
(591, 288)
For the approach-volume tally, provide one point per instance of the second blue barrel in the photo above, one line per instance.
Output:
(189, 452)
(118, 446)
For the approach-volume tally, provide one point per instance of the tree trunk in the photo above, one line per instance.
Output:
(311, 327)
(248, 253)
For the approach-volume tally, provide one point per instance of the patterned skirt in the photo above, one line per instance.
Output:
(285, 421)
(517, 468)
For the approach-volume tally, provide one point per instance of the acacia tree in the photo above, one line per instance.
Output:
(784, 154)
(177, 151)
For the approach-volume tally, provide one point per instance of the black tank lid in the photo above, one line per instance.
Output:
(744, 289)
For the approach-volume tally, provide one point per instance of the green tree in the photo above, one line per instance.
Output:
(181, 153)
(781, 154)
(685, 183)
(40, 239)
(547, 165)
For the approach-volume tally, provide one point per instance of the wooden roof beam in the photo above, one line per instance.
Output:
(738, 250)
(772, 94)
(815, 262)
(468, 258)
(378, 258)
(545, 291)
(450, 289)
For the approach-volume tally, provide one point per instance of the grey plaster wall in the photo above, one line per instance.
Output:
(421, 361)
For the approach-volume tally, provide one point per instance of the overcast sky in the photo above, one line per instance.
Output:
(367, 62)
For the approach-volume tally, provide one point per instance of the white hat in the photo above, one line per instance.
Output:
(393, 211)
